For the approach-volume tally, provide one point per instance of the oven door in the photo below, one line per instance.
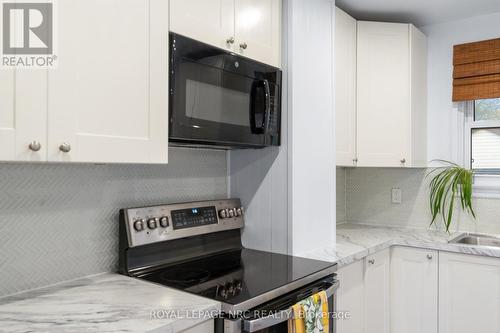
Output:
(220, 99)
(278, 321)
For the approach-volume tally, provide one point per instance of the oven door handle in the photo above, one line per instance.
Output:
(255, 325)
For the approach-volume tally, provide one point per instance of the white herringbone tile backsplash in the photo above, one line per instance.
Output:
(368, 201)
(59, 222)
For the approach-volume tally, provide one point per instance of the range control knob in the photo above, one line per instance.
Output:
(239, 211)
(231, 212)
(164, 221)
(139, 225)
(223, 213)
(152, 223)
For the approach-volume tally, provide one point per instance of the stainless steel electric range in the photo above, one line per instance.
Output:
(196, 247)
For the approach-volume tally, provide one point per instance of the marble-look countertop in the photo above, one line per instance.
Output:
(104, 303)
(355, 241)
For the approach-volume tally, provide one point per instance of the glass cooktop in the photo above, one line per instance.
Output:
(236, 276)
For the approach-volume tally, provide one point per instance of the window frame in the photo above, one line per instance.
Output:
(486, 184)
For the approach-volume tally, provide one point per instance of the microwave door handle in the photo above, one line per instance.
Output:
(255, 325)
(267, 114)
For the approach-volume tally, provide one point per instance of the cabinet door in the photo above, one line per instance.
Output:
(469, 294)
(7, 115)
(211, 22)
(108, 98)
(383, 98)
(23, 115)
(377, 292)
(414, 294)
(345, 88)
(350, 297)
(258, 30)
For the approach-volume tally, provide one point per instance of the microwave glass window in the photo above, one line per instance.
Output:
(217, 104)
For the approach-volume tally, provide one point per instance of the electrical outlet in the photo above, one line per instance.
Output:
(396, 195)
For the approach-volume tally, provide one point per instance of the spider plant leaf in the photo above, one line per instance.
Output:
(448, 184)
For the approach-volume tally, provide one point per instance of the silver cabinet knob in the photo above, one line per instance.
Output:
(230, 40)
(35, 146)
(244, 45)
(355, 160)
(403, 161)
(371, 261)
(65, 147)
(429, 257)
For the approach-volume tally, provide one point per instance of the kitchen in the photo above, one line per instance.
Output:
(216, 138)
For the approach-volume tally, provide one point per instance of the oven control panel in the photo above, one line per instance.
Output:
(146, 225)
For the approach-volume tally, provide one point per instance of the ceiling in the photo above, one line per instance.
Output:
(418, 12)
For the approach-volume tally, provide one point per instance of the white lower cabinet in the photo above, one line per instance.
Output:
(205, 327)
(364, 293)
(377, 292)
(350, 297)
(469, 294)
(410, 290)
(414, 289)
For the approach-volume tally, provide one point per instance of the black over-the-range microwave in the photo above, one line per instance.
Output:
(221, 100)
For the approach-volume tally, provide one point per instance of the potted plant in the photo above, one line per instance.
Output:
(448, 183)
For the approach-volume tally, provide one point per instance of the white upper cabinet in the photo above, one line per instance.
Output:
(391, 90)
(7, 115)
(23, 118)
(469, 293)
(414, 289)
(345, 88)
(209, 21)
(251, 28)
(258, 30)
(108, 97)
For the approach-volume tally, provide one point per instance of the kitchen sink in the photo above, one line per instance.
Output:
(477, 240)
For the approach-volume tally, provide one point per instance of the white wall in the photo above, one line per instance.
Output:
(311, 112)
(443, 124)
(289, 192)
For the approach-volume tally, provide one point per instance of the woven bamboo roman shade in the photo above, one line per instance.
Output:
(476, 72)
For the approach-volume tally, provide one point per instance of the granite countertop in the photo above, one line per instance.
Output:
(355, 241)
(104, 303)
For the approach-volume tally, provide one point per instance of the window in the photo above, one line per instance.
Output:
(482, 145)
(485, 136)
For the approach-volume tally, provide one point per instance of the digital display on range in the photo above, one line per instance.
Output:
(193, 217)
